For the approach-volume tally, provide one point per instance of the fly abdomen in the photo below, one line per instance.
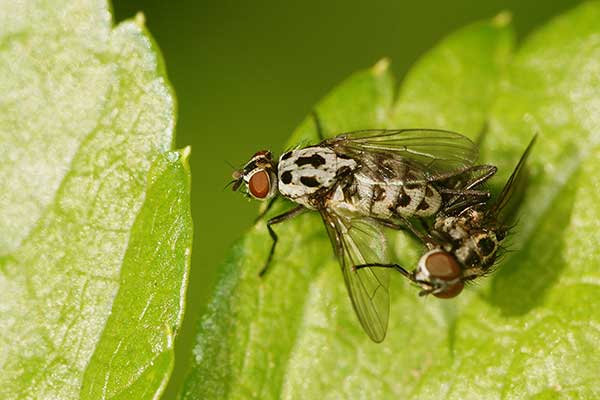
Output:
(417, 200)
(388, 198)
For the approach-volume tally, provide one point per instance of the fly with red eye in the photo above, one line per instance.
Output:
(361, 182)
(463, 244)
(259, 176)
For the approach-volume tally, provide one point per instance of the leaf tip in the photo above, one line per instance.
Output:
(184, 157)
(502, 19)
(140, 19)
(185, 152)
(381, 66)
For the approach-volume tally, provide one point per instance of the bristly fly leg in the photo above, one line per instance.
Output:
(318, 125)
(488, 172)
(463, 206)
(462, 194)
(405, 273)
(465, 192)
(276, 220)
(464, 210)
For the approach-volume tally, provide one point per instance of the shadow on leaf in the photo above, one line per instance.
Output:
(521, 283)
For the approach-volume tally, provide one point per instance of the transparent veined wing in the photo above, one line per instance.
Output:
(358, 241)
(510, 198)
(438, 151)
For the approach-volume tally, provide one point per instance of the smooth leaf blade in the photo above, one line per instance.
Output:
(134, 356)
(85, 111)
(294, 334)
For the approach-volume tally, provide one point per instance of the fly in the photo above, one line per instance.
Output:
(463, 245)
(363, 181)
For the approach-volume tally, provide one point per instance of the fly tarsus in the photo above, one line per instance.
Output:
(276, 220)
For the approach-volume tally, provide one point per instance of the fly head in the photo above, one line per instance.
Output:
(258, 177)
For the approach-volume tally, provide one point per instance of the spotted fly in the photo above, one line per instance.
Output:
(361, 182)
(463, 243)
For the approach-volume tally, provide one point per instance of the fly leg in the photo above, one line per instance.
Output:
(463, 207)
(407, 225)
(396, 267)
(276, 220)
(465, 191)
(427, 287)
(488, 172)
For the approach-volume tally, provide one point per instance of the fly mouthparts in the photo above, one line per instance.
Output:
(236, 184)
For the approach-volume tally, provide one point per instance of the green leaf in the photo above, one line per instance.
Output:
(95, 229)
(530, 330)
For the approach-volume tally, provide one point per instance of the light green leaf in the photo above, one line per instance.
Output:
(95, 227)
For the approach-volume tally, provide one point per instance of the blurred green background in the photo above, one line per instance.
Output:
(246, 73)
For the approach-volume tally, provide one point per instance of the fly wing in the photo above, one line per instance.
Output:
(505, 206)
(359, 241)
(437, 150)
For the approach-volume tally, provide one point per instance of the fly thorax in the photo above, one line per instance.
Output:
(304, 172)
(478, 250)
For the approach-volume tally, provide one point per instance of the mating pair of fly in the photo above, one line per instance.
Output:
(424, 181)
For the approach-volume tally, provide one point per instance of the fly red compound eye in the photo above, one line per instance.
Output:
(259, 184)
(443, 266)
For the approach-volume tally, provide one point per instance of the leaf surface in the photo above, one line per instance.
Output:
(95, 227)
